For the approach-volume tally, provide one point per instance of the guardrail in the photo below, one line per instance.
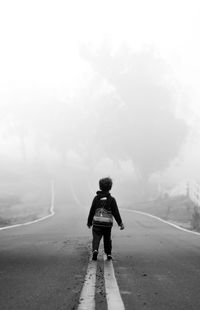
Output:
(190, 189)
(193, 192)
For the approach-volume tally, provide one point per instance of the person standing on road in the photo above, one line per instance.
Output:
(103, 209)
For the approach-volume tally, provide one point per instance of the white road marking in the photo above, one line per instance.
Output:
(52, 212)
(113, 296)
(161, 220)
(87, 298)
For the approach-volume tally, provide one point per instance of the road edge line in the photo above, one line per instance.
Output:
(161, 220)
(52, 213)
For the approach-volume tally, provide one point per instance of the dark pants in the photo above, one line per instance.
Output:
(99, 232)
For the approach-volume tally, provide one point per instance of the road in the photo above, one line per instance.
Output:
(157, 266)
(43, 265)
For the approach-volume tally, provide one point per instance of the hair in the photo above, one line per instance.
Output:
(105, 184)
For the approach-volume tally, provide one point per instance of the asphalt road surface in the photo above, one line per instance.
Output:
(43, 265)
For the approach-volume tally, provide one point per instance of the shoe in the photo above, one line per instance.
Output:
(94, 255)
(109, 257)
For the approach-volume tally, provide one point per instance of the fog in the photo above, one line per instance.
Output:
(91, 89)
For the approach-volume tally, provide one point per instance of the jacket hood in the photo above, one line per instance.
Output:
(102, 194)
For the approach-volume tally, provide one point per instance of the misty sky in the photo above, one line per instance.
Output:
(39, 39)
(40, 59)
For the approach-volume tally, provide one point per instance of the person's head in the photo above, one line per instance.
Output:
(105, 184)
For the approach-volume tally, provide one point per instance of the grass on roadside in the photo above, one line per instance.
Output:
(180, 210)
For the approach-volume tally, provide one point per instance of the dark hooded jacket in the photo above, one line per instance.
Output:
(112, 206)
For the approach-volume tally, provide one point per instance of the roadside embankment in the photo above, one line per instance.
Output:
(14, 210)
(25, 199)
(178, 210)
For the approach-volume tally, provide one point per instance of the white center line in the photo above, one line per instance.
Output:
(113, 296)
(87, 298)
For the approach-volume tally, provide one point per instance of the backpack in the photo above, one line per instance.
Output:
(103, 215)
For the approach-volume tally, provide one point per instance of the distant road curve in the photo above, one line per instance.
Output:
(52, 213)
(161, 220)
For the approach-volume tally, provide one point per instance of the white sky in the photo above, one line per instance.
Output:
(39, 42)
(39, 38)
